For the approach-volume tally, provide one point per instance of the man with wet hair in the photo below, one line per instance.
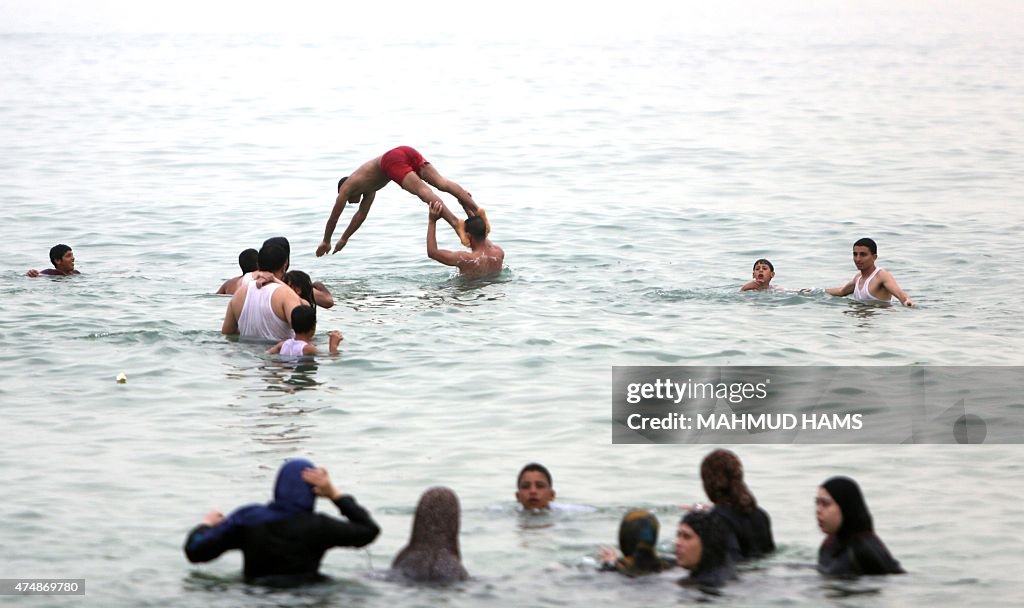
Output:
(484, 257)
(247, 261)
(534, 490)
(321, 294)
(63, 260)
(263, 312)
(407, 168)
(871, 284)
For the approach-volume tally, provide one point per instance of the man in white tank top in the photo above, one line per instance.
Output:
(263, 313)
(871, 284)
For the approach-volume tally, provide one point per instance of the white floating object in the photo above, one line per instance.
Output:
(122, 378)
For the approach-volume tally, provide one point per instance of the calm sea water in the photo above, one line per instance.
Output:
(632, 181)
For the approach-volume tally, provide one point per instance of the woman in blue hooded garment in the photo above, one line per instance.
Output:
(851, 547)
(284, 540)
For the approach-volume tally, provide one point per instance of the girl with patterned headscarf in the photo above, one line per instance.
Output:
(638, 539)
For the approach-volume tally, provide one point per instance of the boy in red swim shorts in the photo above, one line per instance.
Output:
(407, 168)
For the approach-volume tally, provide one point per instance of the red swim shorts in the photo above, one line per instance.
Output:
(400, 162)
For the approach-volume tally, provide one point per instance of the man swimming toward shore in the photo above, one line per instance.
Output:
(484, 257)
(872, 284)
(407, 168)
(63, 260)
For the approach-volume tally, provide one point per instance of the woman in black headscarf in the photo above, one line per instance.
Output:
(851, 547)
(638, 538)
(702, 548)
(432, 555)
(722, 473)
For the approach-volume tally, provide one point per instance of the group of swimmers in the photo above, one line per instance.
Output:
(284, 541)
(871, 284)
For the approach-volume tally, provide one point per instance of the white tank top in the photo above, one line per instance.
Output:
(293, 348)
(258, 319)
(862, 291)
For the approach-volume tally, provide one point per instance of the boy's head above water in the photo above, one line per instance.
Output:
(763, 272)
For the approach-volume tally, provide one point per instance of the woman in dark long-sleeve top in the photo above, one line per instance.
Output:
(851, 548)
(284, 541)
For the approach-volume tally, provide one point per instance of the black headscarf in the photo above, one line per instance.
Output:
(854, 549)
(847, 494)
(715, 567)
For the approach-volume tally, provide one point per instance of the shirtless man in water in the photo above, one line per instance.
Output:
(407, 168)
(484, 256)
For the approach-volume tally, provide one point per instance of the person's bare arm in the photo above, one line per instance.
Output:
(32, 272)
(889, 282)
(845, 290)
(284, 302)
(309, 349)
(275, 349)
(750, 285)
(357, 221)
(230, 325)
(332, 220)
(449, 258)
(323, 297)
(335, 338)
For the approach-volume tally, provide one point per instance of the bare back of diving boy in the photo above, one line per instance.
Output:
(484, 257)
(407, 168)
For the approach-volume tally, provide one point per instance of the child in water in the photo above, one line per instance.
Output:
(304, 325)
(763, 274)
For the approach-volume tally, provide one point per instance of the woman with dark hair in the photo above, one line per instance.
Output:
(722, 473)
(432, 555)
(284, 541)
(851, 547)
(638, 539)
(702, 548)
(302, 285)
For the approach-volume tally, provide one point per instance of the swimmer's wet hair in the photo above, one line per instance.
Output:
(272, 258)
(870, 244)
(303, 319)
(340, 182)
(766, 263)
(248, 260)
(281, 242)
(535, 466)
(476, 227)
(57, 252)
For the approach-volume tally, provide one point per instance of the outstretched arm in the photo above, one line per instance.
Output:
(845, 290)
(890, 283)
(357, 221)
(332, 221)
(275, 349)
(449, 258)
